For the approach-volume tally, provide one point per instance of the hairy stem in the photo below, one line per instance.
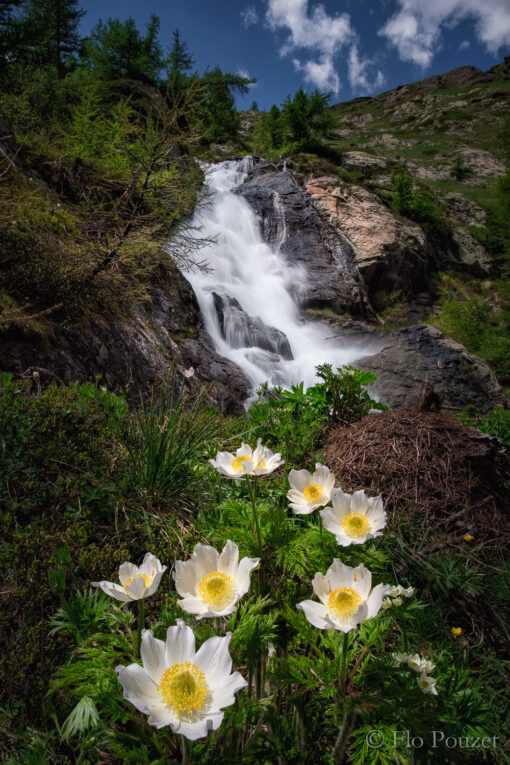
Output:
(139, 628)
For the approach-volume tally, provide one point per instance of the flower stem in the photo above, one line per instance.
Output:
(344, 662)
(186, 751)
(139, 628)
(252, 493)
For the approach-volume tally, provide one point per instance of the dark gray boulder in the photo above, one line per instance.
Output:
(243, 331)
(409, 355)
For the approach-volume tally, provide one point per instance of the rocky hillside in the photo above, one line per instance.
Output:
(410, 195)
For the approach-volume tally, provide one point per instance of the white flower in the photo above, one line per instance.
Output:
(346, 598)
(308, 492)
(247, 461)
(135, 583)
(271, 649)
(398, 659)
(427, 684)
(210, 583)
(264, 460)
(180, 687)
(398, 591)
(354, 518)
(189, 372)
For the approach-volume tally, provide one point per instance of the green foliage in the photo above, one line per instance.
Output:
(418, 205)
(495, 423)
(116, 49)
(219, 115)
(295, 419)
(301, 125)
(166, 442)
(80, 614)
(479, 318)
(345, 396)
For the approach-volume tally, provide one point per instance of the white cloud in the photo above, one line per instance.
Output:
(415, 29)
(464, 45)
(358, 74)
(249, 16)
(314, 30)
(320, 73)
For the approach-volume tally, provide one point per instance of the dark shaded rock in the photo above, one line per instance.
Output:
(410, 355)
(243, 331)
(290, 221)
(135, 352)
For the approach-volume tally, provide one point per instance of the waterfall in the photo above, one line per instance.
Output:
(247, 295)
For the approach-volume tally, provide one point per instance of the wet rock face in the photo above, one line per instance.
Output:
(290, 220)
(134, 353)
(243, 331)
(391, 254)
(410, 355)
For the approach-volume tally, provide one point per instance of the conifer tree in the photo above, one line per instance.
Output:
(117, 49)
(50, 33)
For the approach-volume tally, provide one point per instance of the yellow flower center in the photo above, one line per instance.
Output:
(262, 464)
(344, 602)
(456, 631)
(313, 492)
(237, 462)
(183, 688)
(217, 589)
(147, 579)
(356, 524)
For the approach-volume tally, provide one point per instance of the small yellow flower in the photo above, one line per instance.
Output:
(468, 538)
(456, 631)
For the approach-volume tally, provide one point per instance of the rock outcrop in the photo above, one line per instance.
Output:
(290, 220)
(134, 352)
(243, 331)
(409, 355)
(391, 254)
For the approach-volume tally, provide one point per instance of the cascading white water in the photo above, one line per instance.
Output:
(246, 293)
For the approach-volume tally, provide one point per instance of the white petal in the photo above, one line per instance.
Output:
(299, 480)
(153, 652)
(201, 728)
(155, 583)
(341, 503)
(162, 715)
(359, 502)
(244, 450)
(316, 613)
(127, 571)
(361, 614)
(362, 580)
(340, 575)
(375, 599)
(330, 520)
(223, 692)
(185, 577)
(213, 658)
(136, 589)
(138, 688)
(325, 478)
(113, 590)
(194, 605)
(304, 508)
(228, 560)
(150, 565)
(246, 566)
(180, 644)
(205, 559)
(321, 586)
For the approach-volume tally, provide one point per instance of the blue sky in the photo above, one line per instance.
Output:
(352, 47)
